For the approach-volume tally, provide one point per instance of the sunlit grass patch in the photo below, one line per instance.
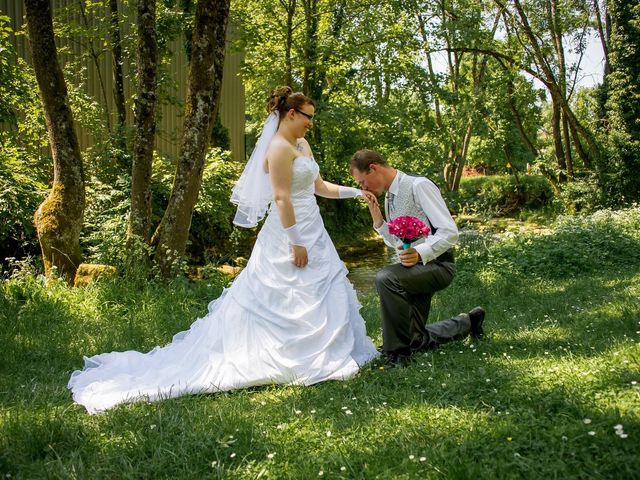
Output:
(553, 390)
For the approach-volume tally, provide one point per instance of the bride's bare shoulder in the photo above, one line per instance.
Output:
(280, 150)
(304, 147)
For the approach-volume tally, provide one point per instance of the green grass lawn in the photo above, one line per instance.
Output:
(553, 391)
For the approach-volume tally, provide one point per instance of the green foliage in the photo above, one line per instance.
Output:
(497, 146)
(623, 102)
(212, 236)
(499, 195)
(584, 194)
(20, 196)
(104, 232)
(23, 134)
(374, 89)
(604, 240)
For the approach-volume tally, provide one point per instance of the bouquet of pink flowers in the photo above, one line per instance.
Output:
(408, 229)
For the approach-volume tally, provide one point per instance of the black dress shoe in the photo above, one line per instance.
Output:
(477, 318)
(396, 360)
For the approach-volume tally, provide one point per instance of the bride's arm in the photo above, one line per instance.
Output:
(281, 171)
(331, 190)
(326, 189)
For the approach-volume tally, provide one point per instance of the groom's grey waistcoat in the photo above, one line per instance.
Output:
(404, 204)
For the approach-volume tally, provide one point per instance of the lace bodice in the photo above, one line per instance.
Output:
(305, 172)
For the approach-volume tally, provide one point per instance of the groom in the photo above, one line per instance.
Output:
(406, 288)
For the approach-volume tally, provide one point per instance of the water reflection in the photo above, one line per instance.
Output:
(363, 264)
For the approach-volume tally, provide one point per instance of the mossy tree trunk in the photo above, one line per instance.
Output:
(623, 102)
(144, 123)
(59, 218)
(203, 93)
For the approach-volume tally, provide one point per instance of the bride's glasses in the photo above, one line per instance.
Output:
(310, 117)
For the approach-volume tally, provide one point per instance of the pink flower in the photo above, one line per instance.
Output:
(408, 229)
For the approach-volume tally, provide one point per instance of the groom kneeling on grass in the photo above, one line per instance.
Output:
(406, 288)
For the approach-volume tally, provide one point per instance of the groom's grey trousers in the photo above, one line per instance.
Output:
(405, 301)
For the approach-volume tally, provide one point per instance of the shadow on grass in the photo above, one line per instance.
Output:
(441, 408)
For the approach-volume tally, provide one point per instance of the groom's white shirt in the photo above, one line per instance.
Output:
(428, 197)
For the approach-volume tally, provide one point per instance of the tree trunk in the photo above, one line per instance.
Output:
(310, 73)
(557, 139)
(59, 218)
(555, 88)
(144, 123)
(518, 120)
(118, 82)
(449, 170)
(603, 34)
(289, 7)
(433, 79)
(577, 143)
(461, 158)
(623, 107)
(205, 82)
(568, 158)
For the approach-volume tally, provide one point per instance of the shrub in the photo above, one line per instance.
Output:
(499, 195)
(576, 245)
(106, 215)
(19, 199)
(213, 237)
(583, 194)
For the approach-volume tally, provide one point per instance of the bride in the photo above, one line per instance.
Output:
(290, 317)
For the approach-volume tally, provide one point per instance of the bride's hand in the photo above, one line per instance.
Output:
(300, 258)
(374, 208)
(369, 197)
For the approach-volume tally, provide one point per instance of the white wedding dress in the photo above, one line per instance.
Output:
(275, 324)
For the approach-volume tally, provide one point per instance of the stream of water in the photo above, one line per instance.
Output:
(363, 263)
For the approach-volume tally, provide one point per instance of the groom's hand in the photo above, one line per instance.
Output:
(409, 257)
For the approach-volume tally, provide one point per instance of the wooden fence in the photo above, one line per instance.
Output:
(99, 78)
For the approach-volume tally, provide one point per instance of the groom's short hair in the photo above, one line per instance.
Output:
(363, 159)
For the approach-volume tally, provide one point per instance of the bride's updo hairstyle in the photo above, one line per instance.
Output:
(283, 99)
